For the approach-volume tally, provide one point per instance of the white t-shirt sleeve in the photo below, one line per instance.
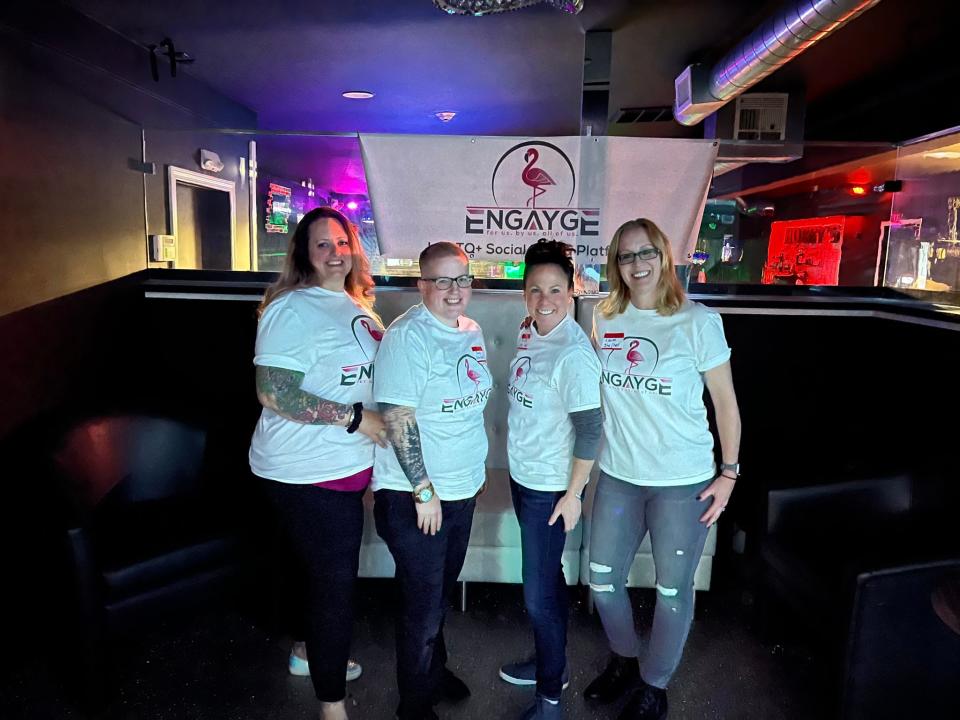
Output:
(403, 367)
(711, 343)
(281, 341)
(578, 380)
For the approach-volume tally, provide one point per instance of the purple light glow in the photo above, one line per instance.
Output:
(352, 205)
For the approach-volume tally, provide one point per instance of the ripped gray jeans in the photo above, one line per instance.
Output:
(622, 514)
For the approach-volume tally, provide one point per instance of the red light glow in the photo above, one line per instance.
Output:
(858, 190)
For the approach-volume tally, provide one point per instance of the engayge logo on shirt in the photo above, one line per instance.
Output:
(630, 362)
(367, 335)
(471, 375)
(519, 373)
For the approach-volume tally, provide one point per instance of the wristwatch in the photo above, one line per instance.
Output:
(424, 494)
(735, 467)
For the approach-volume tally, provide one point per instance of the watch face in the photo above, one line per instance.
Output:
(426, 494)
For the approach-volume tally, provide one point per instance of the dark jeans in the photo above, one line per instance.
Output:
(325, 528)
(544, 589)
(427, 570)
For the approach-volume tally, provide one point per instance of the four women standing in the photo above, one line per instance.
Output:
(653, 353)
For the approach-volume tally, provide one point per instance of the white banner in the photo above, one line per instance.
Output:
(494, 196)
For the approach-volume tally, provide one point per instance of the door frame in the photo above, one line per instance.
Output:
(191, 178)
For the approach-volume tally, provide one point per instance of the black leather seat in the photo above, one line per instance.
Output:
(902, 660)
(822, 541)
(147, 536)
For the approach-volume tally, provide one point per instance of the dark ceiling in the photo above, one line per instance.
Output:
(888, 75)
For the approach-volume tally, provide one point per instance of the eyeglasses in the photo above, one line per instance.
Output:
(647, 253)
(445, 283)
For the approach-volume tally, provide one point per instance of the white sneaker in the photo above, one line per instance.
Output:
(300, 667)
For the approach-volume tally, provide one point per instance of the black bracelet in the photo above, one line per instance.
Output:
(357, 418)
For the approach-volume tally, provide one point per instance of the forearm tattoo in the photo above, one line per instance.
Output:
(279, 390)
(401, 422)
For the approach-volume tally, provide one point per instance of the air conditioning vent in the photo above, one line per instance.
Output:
(761, 116)
(631, 116)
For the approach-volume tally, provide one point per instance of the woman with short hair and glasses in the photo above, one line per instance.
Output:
(657, 469)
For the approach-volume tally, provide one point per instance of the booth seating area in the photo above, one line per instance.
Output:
(865, 584)
(494, 552)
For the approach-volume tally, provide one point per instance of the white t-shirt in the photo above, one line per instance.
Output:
(655, 423)
(442, 372)
(551, 376)
(333, 342)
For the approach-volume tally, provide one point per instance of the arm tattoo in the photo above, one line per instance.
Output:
(279, 390)
(404, 435)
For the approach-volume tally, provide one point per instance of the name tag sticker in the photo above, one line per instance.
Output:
(612, 341)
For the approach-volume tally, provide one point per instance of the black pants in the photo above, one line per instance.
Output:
(325, 528)
(427, 570)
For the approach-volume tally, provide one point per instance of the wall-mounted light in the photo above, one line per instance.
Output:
(445, 116)
(357, 94)
(210, 161)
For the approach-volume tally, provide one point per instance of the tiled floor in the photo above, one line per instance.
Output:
(223, 666)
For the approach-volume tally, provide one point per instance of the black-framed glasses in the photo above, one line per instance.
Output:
(445, 283)
(647, 253)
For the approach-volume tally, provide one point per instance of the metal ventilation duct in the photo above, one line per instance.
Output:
(772, 45)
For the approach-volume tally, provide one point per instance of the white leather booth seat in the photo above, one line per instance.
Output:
(494, 552)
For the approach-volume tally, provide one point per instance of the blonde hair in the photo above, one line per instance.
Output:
(299, 273)
(670, 294)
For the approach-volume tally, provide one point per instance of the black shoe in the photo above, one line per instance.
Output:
(452, 689)
(431, 715)
(647, 703)
(621, 675)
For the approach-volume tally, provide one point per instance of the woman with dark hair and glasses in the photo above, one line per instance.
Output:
(657, 470)
(553, 433)
(317, 339)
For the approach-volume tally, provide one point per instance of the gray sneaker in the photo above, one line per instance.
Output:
(525, 673)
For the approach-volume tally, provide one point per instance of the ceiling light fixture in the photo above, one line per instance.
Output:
(943, 154)
(489, 7)
(358, 94)
(445, 116)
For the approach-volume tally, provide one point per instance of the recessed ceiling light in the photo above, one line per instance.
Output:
(943, 154)
(358, 94)
(445, 116)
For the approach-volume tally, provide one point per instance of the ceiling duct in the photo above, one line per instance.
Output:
(800, 25)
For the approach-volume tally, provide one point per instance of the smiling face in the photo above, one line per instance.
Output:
(642, 277)
(548, 295)
(446, 305)
(330, 253)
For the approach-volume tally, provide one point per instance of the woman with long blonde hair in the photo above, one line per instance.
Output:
(657, 469)
(317, 339)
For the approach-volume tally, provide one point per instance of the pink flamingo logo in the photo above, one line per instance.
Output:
(634, 356)
(473, 375)
(374, 332)
(536, 178)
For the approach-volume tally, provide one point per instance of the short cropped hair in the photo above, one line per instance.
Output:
(438, 251)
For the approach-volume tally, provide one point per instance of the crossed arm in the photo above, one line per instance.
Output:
(279, 390)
